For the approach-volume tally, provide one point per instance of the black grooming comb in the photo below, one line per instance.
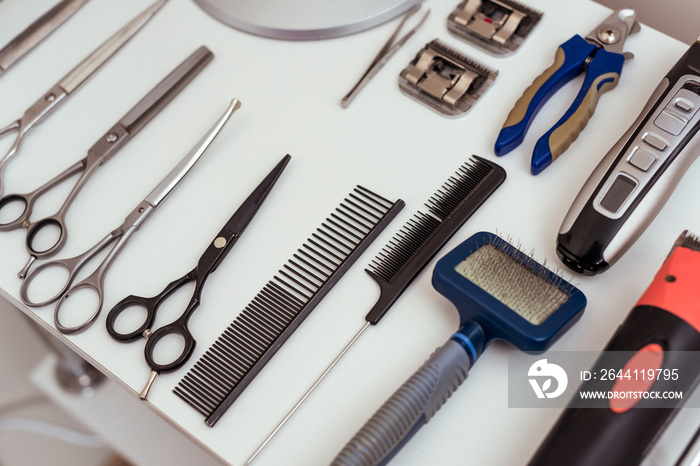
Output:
(421, 238)
(240, 353)
(415, 244)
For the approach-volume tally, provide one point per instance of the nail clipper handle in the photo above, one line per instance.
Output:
(602, 75)
(569, 60)
(408, 409)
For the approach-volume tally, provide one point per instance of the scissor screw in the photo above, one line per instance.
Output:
(112, 137)
(609, 35)
(50, 97)
(219, 242)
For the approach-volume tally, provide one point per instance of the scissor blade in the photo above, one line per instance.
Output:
(170, 182)
(26, 40)
(165, 91)
(245, 213)
(104, 52)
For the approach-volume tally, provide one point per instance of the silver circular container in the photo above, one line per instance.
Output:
(305, 19)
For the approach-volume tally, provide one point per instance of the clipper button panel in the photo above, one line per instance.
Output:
(657, 141)
(678, 112)
(642, 159)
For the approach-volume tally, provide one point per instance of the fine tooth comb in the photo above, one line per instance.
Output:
(445, 80)
(398, 264)
(500, 293)
(243, 349)
(496, 26)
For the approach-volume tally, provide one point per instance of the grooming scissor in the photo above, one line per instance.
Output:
(121, 235)
(71, 83)
(36, 32)
(105, 147)
(215, 253)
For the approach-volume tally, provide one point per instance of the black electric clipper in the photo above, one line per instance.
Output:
(637, 176)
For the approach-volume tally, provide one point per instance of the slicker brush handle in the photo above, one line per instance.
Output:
(408, 409)
(569, 60)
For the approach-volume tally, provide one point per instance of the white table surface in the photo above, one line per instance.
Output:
(385, 141)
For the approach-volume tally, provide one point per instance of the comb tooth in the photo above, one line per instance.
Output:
(221, 363)
(318, 256)
(271, 297)
(279, 288)
(351, 237)
(297, 282)
(292, 289)
(366, 193)
(324, 249)
(241, 351)
(304, 274)
(284, 301)
(352, 228)
(319, 263)
(339, 238)
(323, 276)
(209, 394)
(357, 221)
(361, 213)
(403, 246)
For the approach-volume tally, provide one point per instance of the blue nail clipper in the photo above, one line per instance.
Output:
(600, 56)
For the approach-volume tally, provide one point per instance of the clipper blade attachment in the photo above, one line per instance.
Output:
(445, 80)
(496, 26)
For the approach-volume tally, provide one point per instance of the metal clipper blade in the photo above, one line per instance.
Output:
(445, 80)
(496, 26)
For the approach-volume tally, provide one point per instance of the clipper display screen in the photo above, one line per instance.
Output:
(617, 194)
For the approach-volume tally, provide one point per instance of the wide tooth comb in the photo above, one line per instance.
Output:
(243, 349)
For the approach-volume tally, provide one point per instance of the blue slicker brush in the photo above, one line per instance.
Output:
(500, 293)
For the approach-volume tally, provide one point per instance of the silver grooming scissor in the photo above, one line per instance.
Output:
(36, 32)
(71, 83)
(120, 236)
(105, 147)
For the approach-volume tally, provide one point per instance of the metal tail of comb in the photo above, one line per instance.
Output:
(240, 353)
(496, 26)
(445, 80)
(423, 236)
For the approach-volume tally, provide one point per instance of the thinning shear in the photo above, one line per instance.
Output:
(36, 32)
(601, 56)
(94, 283)
(215, 253)
(71, 83)
(105, 147)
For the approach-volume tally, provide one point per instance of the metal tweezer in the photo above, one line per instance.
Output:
(386, 52)
(36, 32)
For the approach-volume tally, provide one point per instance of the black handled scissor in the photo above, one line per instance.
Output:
(215, 253)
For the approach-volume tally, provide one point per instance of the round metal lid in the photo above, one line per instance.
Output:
(305, 19)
